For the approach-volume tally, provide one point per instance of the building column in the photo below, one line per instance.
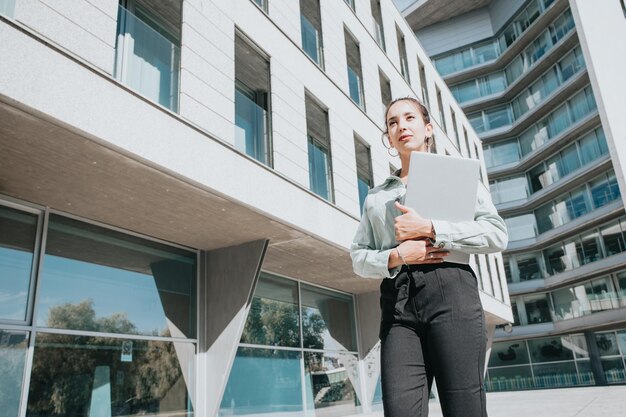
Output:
(594, 358)
(228, 277)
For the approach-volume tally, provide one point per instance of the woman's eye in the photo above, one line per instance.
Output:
(410, 117)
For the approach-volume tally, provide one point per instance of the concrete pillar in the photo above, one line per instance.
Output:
(228, 278)
(594, 358)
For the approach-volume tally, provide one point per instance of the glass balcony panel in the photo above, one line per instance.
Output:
(569, 161)
(332, 384)
(558, 121)
(264, 382)
(590, 148)
(477, 121)
(319, 169)
(498, 117)
(273, 318)
(466, 91)
(504, 153)
(508, 353)
(250, 127)
(512, 189)
(17, 246)
(539, 177)
(105, 376)
(579, 106)
(514, 70)
(327, 320)
(311, 43)
(562, 26)
(521, 227)
(485, 53)
(614, 370)
(147, 61)
(354, 82)
(510, 378)
(566, 304)
(556, 259)
(13, 347)
(555, 375)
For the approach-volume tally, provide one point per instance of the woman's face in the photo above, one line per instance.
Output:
(406, 128)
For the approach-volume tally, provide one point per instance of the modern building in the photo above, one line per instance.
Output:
(542, 83)
(180, 183)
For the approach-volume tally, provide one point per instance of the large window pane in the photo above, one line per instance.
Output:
(327, 319)
(589, 248)
(273, 318)
(331, 384)
(556, 375)
(13, 345)
(101, 280)
(17, 244)
(510, 378)
(528, 266)
(521, 227)
(508, 353)
(311, 30)
(604, 190)
(613, 239)
(607, 344)
(263, 382)
(550, 349)
(319, 169)
(87, 376)
(556, 259)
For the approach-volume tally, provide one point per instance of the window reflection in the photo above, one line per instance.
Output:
(101, 280)
(17, 244)
(79, 376)
(13, 345)
(327, 320)
(330, 382)
(273, 318)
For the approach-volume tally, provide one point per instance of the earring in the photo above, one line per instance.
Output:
(390, 154)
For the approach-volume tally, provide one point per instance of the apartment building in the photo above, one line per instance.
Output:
(180, 182)
(542, 84)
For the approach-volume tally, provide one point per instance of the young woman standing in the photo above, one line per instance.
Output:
(432, 323)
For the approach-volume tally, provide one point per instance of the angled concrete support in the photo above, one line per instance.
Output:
(227, 282)
(368, 319)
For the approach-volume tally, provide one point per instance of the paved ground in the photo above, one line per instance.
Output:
(564, 402)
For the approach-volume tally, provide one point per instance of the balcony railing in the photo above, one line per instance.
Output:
(589, 305)
(146, 60)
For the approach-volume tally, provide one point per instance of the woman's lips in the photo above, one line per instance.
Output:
(405, 137)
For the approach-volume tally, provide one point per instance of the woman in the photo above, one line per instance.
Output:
(432, 323)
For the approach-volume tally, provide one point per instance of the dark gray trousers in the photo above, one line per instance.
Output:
(432, 327)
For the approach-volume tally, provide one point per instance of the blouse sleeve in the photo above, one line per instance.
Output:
(367, 261)
(485, 234)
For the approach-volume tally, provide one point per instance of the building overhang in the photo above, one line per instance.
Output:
(424, 13)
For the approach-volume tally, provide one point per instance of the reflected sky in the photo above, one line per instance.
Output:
(15, 269)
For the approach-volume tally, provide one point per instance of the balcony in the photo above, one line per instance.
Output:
(147, 59)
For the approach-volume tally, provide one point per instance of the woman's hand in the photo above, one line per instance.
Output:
(416, 252)
(410, 225)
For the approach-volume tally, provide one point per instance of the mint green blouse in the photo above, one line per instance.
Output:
(375, 236)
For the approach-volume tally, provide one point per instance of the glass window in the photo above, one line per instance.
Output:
(540, 177)
(508, 353)
(311, 28)
(589, 148)
(558, 121)
(537, 309)
(486, 52)
(550, 349)
(578, 203)
(613, 370)
(320, 172)
(589, 248)
(569, 161)
(511, 189)
(498, 117)
(385, 89)
(98, 279)
(13, 346)
(148, 55)
(84, 376)
(607, 344)
(621, 337)
(546, 217)
(363, 169)
(504, 153)
(566, 305)
(330, 380)
(604, 189)
(514, 70)
(273, 318)
(327, 319)
(252, 96)
(556, 259)
(263, 382)
(477, 122)
(466, 91)
(404, 64)
(613, 239)
(17, 245)
(528, 266)
(355, 76)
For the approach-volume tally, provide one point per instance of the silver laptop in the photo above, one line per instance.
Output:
(442, 187)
